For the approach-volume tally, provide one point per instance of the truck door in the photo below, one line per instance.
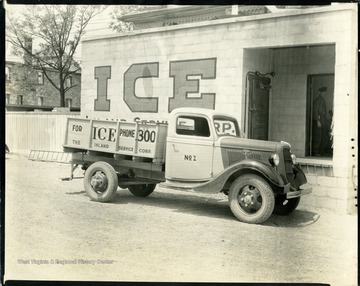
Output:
(189, 152)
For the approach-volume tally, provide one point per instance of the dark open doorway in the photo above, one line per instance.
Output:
(319, 115)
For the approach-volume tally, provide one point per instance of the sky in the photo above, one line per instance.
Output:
(99, 25)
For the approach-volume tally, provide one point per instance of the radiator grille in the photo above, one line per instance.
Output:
(239, 155)
(288, 165)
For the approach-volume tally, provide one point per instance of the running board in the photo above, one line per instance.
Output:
(180, 186)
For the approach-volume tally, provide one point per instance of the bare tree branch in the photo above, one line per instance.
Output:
(59, 29)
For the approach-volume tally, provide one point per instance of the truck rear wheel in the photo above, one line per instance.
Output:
(285, 207)
(251, 199)
(142, 190)
(100, 181)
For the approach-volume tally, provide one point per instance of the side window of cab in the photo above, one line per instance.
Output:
(192, 126)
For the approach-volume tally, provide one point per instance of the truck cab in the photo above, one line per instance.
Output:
(192, 144)
(200, 150)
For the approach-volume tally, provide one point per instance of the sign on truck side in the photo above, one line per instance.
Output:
(134, 139)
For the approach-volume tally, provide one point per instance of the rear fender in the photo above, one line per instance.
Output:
(243, 167)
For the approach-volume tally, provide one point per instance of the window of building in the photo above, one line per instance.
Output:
(8, 98)
(68, 102)
(7, 73)
(40, 101)
(192, 126)
(20, 100)
(40, 77)
(69, 81)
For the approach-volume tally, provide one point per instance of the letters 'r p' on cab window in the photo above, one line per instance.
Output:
(192, 126)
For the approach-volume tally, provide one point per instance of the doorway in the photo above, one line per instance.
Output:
(258, 108)
(318, 134)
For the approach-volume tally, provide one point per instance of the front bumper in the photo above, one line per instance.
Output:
(303, 190)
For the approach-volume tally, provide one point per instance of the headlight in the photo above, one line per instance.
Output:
(293, 158)
(274, 159)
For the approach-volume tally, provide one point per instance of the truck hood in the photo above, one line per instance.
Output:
(251, 144)
(235, 149)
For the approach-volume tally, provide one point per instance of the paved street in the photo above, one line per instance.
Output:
(53, 231)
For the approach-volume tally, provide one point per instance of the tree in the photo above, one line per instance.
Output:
(59, 29)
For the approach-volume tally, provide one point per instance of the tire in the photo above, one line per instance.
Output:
(251, 199)
(142, 190)
(100, 182)
(287, 208)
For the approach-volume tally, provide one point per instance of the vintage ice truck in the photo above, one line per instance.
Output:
(199, 150)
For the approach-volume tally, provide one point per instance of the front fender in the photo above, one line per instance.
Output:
(247, 166)
(300, 178)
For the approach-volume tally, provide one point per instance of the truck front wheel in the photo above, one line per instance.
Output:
(251, 199)
(142, 190)
(100, 181)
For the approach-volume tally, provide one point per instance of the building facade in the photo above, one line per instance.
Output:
(28, 89)
(266, 68)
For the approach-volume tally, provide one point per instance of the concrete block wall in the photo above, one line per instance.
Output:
(333, 193)
(231, 43)
(164, 48)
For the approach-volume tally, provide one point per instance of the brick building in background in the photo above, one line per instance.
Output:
(28, 89)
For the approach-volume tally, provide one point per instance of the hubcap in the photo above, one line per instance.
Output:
(250, 199)
(99, 182)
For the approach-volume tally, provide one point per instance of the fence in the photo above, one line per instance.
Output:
(27, 131)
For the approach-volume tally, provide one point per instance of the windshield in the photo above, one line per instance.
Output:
(226, 126)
